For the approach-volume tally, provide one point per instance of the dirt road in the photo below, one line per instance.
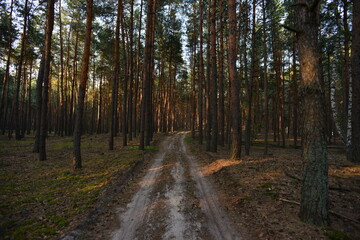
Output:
(174, 201)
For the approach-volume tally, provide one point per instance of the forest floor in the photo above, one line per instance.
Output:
(174, 191)
(42, 200)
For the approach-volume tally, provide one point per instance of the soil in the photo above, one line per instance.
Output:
(184, 192)
(168, 199)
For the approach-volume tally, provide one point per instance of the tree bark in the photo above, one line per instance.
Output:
(201, 73)
(62, 91)
(213, 79)
(82, 88)
(19, 73)
(250, 84)
(115, 85)
(295, 97)
(146, 120)
(221, 79)
(5, 86)
(45, 89)
(266, 91)
(314, 192)
(235, 115)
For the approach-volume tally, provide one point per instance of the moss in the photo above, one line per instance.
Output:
(31, 186)
(294, 181)
(245, 199)
(59, 221)
(265, 185)
(61, 145)
(272, 193)
(150, 148)
(188, 139)
(334, 234)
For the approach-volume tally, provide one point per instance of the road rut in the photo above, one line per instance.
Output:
(174, 201)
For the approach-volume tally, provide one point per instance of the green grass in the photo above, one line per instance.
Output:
(269, 189)
(265, 185)
(40, 199)
(188, 139)
(334, 234)
(149, 148)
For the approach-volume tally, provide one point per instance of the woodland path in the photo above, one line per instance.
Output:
(174, 201)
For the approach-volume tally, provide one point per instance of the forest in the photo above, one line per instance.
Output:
(256, 102)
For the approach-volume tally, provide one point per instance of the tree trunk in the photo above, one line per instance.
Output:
(295, 98)
(115, 85)
(314, 192)
(99, 128)
(19, 73)
(193, 92)
(138, 75)
(73, 84)
(124, 116)
(250, 84)
(355, 63)
(221, 79)
(146, 121)
(45, 89)
(5, 86)
(213, 79)
(29, 122)
(131, 68)
(82, 87)
(266, 91)
(235, 115)
(62, 91)
(201, 73)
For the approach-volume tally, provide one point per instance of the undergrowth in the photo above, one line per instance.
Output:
(40, 199)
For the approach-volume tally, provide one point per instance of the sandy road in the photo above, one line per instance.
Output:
(174, 201)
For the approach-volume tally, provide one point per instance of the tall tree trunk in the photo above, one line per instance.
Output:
(19, 73)
(115, 85)
(23, 105)
(99, 128)
(213, 79)
(73, 83)
(266, 91)
(5, 86)
(221, 79)
(131, 68)
(355, 70)
(94, 107)
(39, 83)
(124, 115)
(45, 81)
(193, 92)
(314, 192)
(207, 87)
(146, 120)
(62, 91)
(234, 83)
(201, 73)
(295, 98)
(138, 74)
(29, 122)
(82, 87)
(250, 84)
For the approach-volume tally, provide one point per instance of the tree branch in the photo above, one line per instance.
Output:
(291, 29)
(330, 211)
(302, 4)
